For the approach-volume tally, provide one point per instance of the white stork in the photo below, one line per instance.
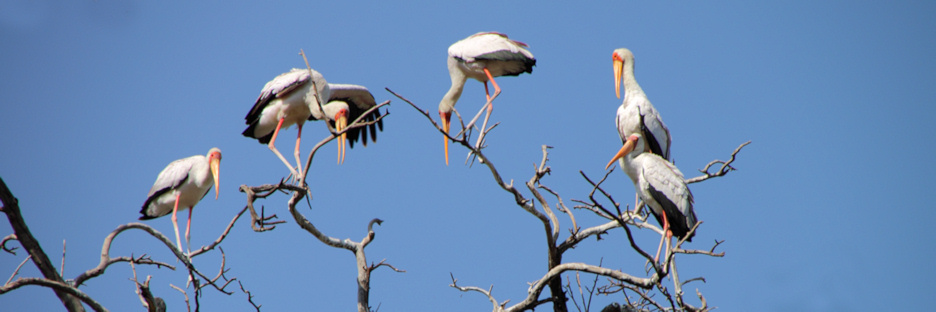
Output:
(182, 184)
(482, 56)
(286, 100)
(661, 186)
(289, 99)
(636, 105)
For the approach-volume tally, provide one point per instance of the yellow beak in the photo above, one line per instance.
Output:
(215, 165)
(626, 149)
(618, 71)
(340, 124)
(445, 126)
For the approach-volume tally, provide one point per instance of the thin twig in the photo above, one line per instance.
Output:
(220, 237)
(725, 166)
(358, 123)
(188, 306)
(62, 268)
(7, 239)
(17, 269)
(383, 262)
(249, 297)
(486, 293)
(562, 207)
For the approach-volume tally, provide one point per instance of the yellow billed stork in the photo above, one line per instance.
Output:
(636, 106)
(181, 185)
(661, 186)
(482, 56)
(290, 99)
(286, 100)
(348, 102)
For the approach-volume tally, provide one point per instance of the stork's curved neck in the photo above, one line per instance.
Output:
(458, 84)
(631, 87)
(633, 161)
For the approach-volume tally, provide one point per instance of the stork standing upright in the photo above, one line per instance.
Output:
(636, 106)
(482, 56)
(661, 186)
(182, 184)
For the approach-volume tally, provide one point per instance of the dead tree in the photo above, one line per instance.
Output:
(619, 281)
(298, 191)
(68, 290)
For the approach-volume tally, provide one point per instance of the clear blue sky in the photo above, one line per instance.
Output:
(831, 208)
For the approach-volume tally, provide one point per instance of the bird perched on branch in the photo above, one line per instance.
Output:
(482, 56)
(661, 186)
(291, 99)
(181, 185)
(636, 106)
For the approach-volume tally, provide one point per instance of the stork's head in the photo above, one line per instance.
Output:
(630, 145)
(214, 163)
(621, 57)
(337, 111)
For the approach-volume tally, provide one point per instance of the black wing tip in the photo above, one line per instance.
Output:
(529, 64)
(143, 211)
(250, 133)
(361, 133)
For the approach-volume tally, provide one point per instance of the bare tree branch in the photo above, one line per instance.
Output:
(562, 207)
(298, 192)
(725, 166)
(106, 260)
(62, 268)
(383, 262)
(497, 306)
(150, 302)
(259, 222)
(537, 286)
(220, 238)
(618, 218)
(18, 268)
(249, 297)
(188, 306)
(541, 171)
(56, 285)
(39, 257)
(7, 239)
(337, 134)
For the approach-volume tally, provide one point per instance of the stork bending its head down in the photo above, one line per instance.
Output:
(482, 56)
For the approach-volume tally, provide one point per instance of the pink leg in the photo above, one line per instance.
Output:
(497, 90)
(487, 95)
(489, 104)
(175, 223)
(666, 234)
(298, 139)
(188, 227)
(275, 151)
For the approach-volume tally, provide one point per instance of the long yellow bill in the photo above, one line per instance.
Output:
(626, 149)
(341, 124)
(215, 164)
(445, 126)
(618, 71)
